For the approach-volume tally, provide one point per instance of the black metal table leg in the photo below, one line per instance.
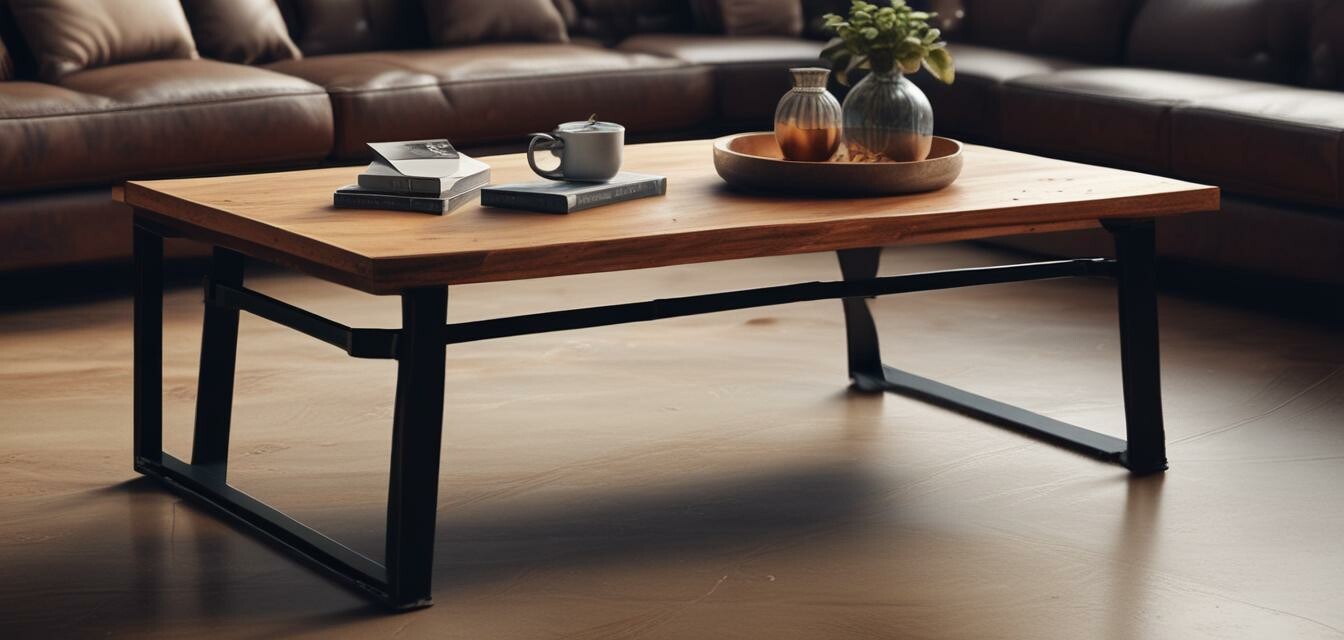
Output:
(865, 356)
(412, 500)
(1145, 450)
(1136, 255)
(219, 349)
(403, 580)
(148, 331)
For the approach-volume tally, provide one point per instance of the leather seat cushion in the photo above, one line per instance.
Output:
(165, 117)
(500, 92)
(970, 108)
(1284, 143)
(750, 72)
(1115, 116)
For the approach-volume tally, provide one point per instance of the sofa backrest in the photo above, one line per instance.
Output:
(612, 20)
(1090, 30)
(1325, 49)
(1254, 39)
(321, 27)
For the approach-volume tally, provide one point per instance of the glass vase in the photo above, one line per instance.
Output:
(887, 119)
(807, 120)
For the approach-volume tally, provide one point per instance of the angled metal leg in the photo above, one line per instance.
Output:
(412, 500)
(219, 349)
(148, 393)
(865, 357)
(1144, 452)
(1136, 255)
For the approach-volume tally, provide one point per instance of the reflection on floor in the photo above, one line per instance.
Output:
(698, 478)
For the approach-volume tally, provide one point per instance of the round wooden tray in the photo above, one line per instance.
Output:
(754, 161)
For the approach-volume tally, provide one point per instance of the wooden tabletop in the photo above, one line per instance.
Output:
(287, 218)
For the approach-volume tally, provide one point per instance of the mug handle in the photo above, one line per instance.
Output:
(544, 141)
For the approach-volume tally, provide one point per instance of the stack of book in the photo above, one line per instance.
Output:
(427, 176)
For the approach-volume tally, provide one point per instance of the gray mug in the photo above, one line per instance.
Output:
(589, 151)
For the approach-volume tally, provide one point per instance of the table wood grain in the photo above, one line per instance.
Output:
(288, 218)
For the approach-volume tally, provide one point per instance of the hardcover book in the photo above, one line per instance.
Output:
(467, 174)
(353, 196)
(550, 196)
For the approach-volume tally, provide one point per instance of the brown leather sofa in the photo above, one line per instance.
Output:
(1245, 94)
(368, 73)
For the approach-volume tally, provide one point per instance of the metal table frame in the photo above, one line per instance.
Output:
(402, 581)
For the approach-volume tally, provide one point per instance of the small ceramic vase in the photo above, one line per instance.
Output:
(807, 120)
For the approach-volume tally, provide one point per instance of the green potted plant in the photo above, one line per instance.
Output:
(886, 118)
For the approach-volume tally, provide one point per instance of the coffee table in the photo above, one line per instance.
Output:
(286, 219)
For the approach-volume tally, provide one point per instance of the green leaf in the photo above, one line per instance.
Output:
(940, 65)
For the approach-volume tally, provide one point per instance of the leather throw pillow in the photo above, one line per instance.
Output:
(66, 36)
(347, 26)
(454, 22)
(762, 17)
(242, 31)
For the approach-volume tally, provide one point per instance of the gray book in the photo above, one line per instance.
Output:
(353, 196)
(469, 174)
(550, 196)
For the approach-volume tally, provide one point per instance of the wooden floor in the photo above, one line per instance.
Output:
(698, 478)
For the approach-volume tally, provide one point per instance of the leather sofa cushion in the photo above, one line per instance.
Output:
(344, 26)
(454, 22)
(750, 72)
(1115, 116)
(709, 17)
(1326, 46)
(1090, 30)
(1285, 143)
(971, 108)
(242, 31)
(71, 35)
(762, 17)
(1254, 39)
(613, 20)
(500, 92)
(164, 117)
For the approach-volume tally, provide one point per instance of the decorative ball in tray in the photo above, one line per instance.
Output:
(754, 161)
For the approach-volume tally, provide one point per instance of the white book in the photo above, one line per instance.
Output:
(468, 174)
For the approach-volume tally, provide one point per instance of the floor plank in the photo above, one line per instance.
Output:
(698, 477)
